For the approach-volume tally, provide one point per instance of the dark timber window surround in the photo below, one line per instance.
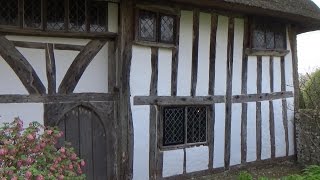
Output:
(184, 126)
(155, 27)
(81, 16)
(267, 38)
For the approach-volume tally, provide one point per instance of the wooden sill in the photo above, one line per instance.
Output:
(154, 44)
(182, 146)
(267, 52)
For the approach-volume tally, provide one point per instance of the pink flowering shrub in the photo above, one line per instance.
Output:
(30, 153)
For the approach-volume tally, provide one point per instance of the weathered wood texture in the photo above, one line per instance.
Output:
(211, 112)
(175, 60)
(258, 112)
(21, 67)
(79, 65)
(227, 145)
(284, 105)
(271, 110)
(51, 68)
(275, 53)
(153, 148)
(126, 38)
(195, 51)
(244, 111)
(56, 98)
(39, 45)
(293, 44)
(112, 67)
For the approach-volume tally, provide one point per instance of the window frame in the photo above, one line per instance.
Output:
(157, 30)
(42, 30)
(160, 129)
(277, 27)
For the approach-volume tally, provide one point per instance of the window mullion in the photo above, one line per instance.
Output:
(185, 125)
(20, 13)
(87, 15)
(66, 15)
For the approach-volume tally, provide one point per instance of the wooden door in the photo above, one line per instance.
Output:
(91, 133)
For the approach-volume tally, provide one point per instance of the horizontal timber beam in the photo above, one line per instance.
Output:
(38, 45)
(208, 100)
(58, 98)
(266, 52)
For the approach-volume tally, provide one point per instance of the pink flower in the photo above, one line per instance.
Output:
(14, 178)
(28, 174)
(73, 156)
(19, 163)
(43, 144)
(40, 177)
(61, 177)
(29, 160)
(82, 163)
(49, 132)
(70, 166)
(62, 150)
(30, 137)
(3, 152)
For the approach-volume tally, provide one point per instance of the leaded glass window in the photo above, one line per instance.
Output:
(269, 35)
(9, 12)
(56, 15)
(156, 27)
(77, 15)
(32, 13)
(184, 125)
(98, 18)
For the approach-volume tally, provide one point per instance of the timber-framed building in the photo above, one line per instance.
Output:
(148, 89)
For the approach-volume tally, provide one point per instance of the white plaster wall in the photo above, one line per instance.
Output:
(280, 142)
(251, 132)
(185, 53)
(197, 158)
(265, 131)
(291, 135)
(164, 72)
(203, 57)
(172, 163)
(219, 136)
(29, 112)
(236, 135)
(289, 68)
(265, 113)
(113, 19)
(251, 112)
(236, 90)
(140, 79)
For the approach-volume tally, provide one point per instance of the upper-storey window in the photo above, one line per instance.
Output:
(268, 35)
(55, 15)
(155, 27)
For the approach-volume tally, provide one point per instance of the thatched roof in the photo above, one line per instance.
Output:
(305, 13)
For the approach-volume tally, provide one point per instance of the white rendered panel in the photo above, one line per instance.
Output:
(203, 56)
(279, 129)
(95, 77)
(140, 79)
(197, 158)
(277, 74)
(172, 163)
(28, 113)
(265, 75)
(63, 61)
(113, 11)
(219, 136)
(291, 135)
(164, 70)
(221, 56)
(236, 134)
(265, 131)
(251, 132)
(252, 75)
(289, 68)
(9, 79)
(37, 59)
(185, 53)
(237, 56)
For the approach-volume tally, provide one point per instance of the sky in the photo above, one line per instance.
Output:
(309, 49)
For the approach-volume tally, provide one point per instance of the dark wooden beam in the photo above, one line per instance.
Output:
(227, 145)
(258, 112)
(195, 50)
(153, 149)
(51, 69)
(21, 67)
(175, 60)
(275, 53)
(261, 97)
(38, 45)
(79, 65)
(244, 111)
(112, 67)
(284, 105)
(271, 110)
(58, 98)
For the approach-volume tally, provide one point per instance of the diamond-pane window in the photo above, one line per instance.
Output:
(9, 12)
(56, 14)
(77, 15)
(98, 19)
(184, 125)
(166, 29)
(32, 13)
(147, 26)
(269, 35)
